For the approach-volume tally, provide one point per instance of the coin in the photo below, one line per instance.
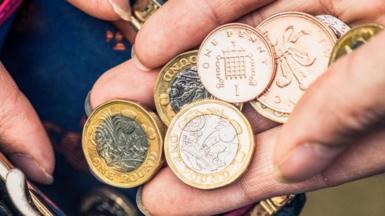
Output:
(302, 45)
(178, 84)
(354, 39)
(236, 63)
(122, 143)
(139, 202)
(87, 105)
(269, 113)
(336, 25)
(106, 202)
(209, 144)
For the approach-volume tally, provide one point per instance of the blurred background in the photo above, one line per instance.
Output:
(364, 197)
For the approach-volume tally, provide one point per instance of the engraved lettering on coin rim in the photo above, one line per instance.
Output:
(222, 178)
(153, 159)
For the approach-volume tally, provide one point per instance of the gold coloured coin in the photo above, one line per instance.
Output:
(122, 143)
(354, 39)
(263, 110)
(178, 84)
(209, 144)
(303, 46)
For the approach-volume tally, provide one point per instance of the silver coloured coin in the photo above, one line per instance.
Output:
(208, 144)
(336, 25)
(186, 88)
(121, 142)
(87, 105)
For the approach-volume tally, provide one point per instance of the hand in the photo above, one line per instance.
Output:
(22, 136)
(334, 135)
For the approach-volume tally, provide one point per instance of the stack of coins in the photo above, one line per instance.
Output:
(199, 95)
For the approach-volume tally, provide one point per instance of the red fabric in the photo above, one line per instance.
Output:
(7, 8)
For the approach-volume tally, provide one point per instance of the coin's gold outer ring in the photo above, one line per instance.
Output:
(162, 86)
(347, 38)
(269, 113)
(263, 39)
(245, 163)
(262, 108)
(153, 160)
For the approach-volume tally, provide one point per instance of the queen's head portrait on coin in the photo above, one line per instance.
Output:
(122, 143)
(209, 144)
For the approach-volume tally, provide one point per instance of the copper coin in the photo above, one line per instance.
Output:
(303, 46)
(236, 63)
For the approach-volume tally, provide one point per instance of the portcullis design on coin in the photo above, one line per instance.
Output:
(236, 63)
(122, 143)
(178, 84)
(209, 144)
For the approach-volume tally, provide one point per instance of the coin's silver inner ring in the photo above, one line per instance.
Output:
(208, 143)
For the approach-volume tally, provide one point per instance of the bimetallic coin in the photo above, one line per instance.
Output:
(107, 202)
(336, 25)
(178, 84)
(236, 63)
(269, 113)
(142, 10)
(209, 144)
(122, 143)
(354, 39)
(303, 46)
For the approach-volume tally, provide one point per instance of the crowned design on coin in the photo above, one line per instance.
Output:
(303, 46)
(336, 25)
(236, 63)
(122, 143)
(178, 84)
(209, 144)
(353, 39)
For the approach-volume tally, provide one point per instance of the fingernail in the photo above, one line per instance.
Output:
(121, 8)
(139, 64)
(305, 161)
(31, 168)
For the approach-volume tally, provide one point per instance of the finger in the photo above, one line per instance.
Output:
(125, 81)
(181, 25)
(167, 195)
(344, 104)
(111, 10)
(258, 122)
(22, 136)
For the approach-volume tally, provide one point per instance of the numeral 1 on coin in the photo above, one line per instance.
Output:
(236, 86)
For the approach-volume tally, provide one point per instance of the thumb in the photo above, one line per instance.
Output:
(344, 104)
(22, 136)
(111, 10)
